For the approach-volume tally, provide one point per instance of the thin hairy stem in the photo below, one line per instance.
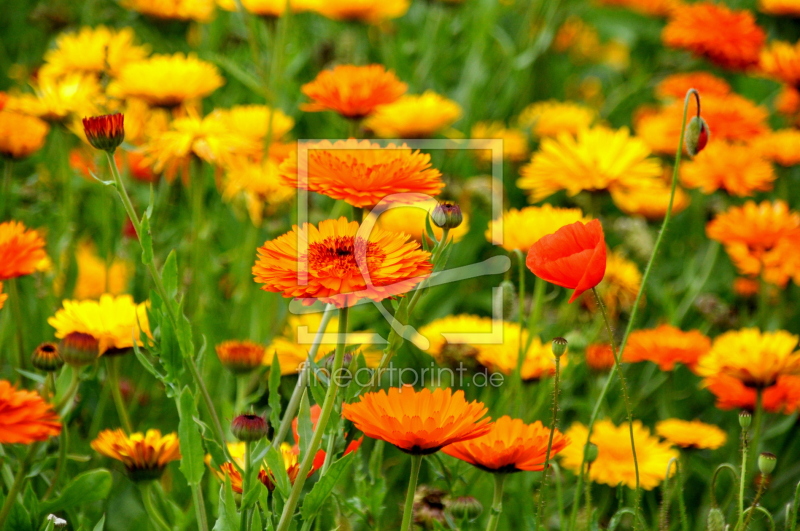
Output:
(540, 512)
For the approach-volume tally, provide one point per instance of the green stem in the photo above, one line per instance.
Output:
(241, 385)
(63, 445)
(116, 393)
(16, 311)
(302, 381)
(19, 482)
(244, 522)
(589, 509)
(325, 413)
(69, 394)
(540, 512)
(199, 506)
(497, 502)
(742, 479)
(758, 419)
(408, 508)
(150, 509)
(793, 511)
(534, 320)
(762, 486)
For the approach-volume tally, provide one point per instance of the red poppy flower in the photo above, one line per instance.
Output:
(573, 257)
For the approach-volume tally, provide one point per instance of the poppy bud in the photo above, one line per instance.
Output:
(249, 427)
(46, 358)
(507, 298)
(465, 507)
(105, 132)
(696, 136)
(447, 215)
(716, 520)
(78, 349)
(766, 463)
(744, 420)
(559, 346)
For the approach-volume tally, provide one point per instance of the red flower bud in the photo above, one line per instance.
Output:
(105, 132)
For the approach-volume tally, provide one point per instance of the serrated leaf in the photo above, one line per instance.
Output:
(169, 274)
(169, 352)
(84, 489)
(192, 453)
(228, 519)
(305, 427)
(323, 488)
(275, 393)
(277, 467)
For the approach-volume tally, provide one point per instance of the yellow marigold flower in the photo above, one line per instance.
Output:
(781, 147)
(362, 173)
(261, 185)
(614, 463)
(652, 8)
(691, 434)
(676, 85)
(448, 337)
(551, 118)
(352, 91)
(252, 121)
(3, 296)
(21, 250)
(666, 345)
(141, 122)
(539, 360)
(56, 98)
(97, 276)
(414, 116)
(111, 321)
(199, 10)
(515, 142)
(753, 357)
(789, 8)
(292, 347)
(21, 135)
(650, 199)
(207, 138)
(93, 51)
(269, 8)
(411, 220)
(597, 159)
(619, 286)
(732, 118)
(369, 11)
(167, 80)
(781, 61)
(737, 169)
(145, 455)
(522, 228)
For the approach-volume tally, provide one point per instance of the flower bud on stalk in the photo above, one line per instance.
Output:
(46, 358)
(766, 463)
(447, 215)
(105, 132)
(745, 418)
(249, 427)
(78, 349)
(559, 346)
(716, 520)
(465, 507)
(697, 135)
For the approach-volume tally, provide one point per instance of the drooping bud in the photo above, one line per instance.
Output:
(105, 132)
(716, 520)
(592, 452)
(507, 298)
(465, 507)
(697, 135)
(766, 463)
(559, 346)
(745, 418)
(249, 427)
(46, 358)
(447, 215)
(78, 349)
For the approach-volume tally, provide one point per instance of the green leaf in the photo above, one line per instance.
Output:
(146, 240)
(275, 393)
(228, 519)
(19, 519)
(323, 488)
(101, 524)
(169, 273)
(31, 501)
(305, 427)
(278, 468)
(192, 453)
(84, 489)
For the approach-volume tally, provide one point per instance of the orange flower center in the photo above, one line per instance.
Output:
(342, 254)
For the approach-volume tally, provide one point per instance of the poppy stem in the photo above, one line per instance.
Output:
(112, 365)
(497, 502)
(540, 512)
(324, 416)
(742, 479)
(408, 509)
(758, 419)
(19, 482)
(521, 315)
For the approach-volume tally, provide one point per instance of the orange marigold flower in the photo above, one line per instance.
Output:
(240, 357)
(676, 85)
(421, 422)
(198, 10)
(691, 434)
(666, 345)
(788, 102)
(25, 417)
(510, 446)
(746, 287)
(290, 462)
(781, 61)
(21, 250)
(729, 38)
(737, 169)
(3, 296)
(781, 147)
(335, 264)
(732, 393)
(145, 455)
(369, 11)
(353, 91)
(600, 356)
(363, 173)
(652, 8)
(790, 8)
(732, 118)
(21, 135)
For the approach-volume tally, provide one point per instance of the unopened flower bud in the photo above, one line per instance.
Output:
(105, 132)
(507, 298)
(46, 358)
(465, 507)
(697, 135)
(559, 346)
(447, 215)
(78, 349)
(716, 520)
(591, 453)
(766, 463)
(249, 427)
(745, 419)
